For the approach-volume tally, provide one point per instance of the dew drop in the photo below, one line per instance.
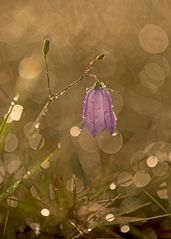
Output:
(45, 212)
(124, 228)
(152, 161)
(110, 217)
(112, 186)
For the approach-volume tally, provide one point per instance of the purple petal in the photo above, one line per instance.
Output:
(109, 115)
(97, 112)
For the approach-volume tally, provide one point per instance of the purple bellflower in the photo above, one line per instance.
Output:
(98, 111)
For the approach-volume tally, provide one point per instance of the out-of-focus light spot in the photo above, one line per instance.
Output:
(141, 179)
(36, 141)
(16, 112)
(35, 227)
(12, 201)
(162, 193)
(153, 39)
(34, 192)
(87, 142)
(11, 143)
(124, 228)
(110, 217)
(45, 164)
(75, 131)
(110, 144)
(112, 186)
(45, 212)
(160, 169)
(153, 76)
(89, 229)
(152, 161)
(13, 165)
(155, 71)
(76, 184)
(162, 62)
(124, 179)
(52, 191)
(37, 125)
(29, 68)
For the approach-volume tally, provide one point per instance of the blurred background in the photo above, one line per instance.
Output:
(67, 192)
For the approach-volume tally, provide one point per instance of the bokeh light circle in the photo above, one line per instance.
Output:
(141, 179)
(11, 143)
(75, 131)
(110, 144)
(45, 212)
(152, 161)
(124, 179)
(125, 228)
(29, 68)
(110, 217)
(87, 142)
(112, 186)
(153, 39)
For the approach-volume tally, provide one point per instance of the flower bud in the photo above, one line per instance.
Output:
(46, 46)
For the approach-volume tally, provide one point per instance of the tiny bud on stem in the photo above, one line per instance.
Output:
(46, 47)
(101, 56)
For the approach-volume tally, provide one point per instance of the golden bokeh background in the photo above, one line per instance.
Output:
(137, 35)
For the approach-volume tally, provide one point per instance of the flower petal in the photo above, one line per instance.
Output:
(97, 111)
(109, 115)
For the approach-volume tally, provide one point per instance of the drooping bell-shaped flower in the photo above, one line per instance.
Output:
(98, 111)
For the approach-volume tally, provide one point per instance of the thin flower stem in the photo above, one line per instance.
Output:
(47, 75)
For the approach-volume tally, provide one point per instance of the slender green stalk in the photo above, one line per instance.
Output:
(47, 75)
(154, 200)
(134, 209)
